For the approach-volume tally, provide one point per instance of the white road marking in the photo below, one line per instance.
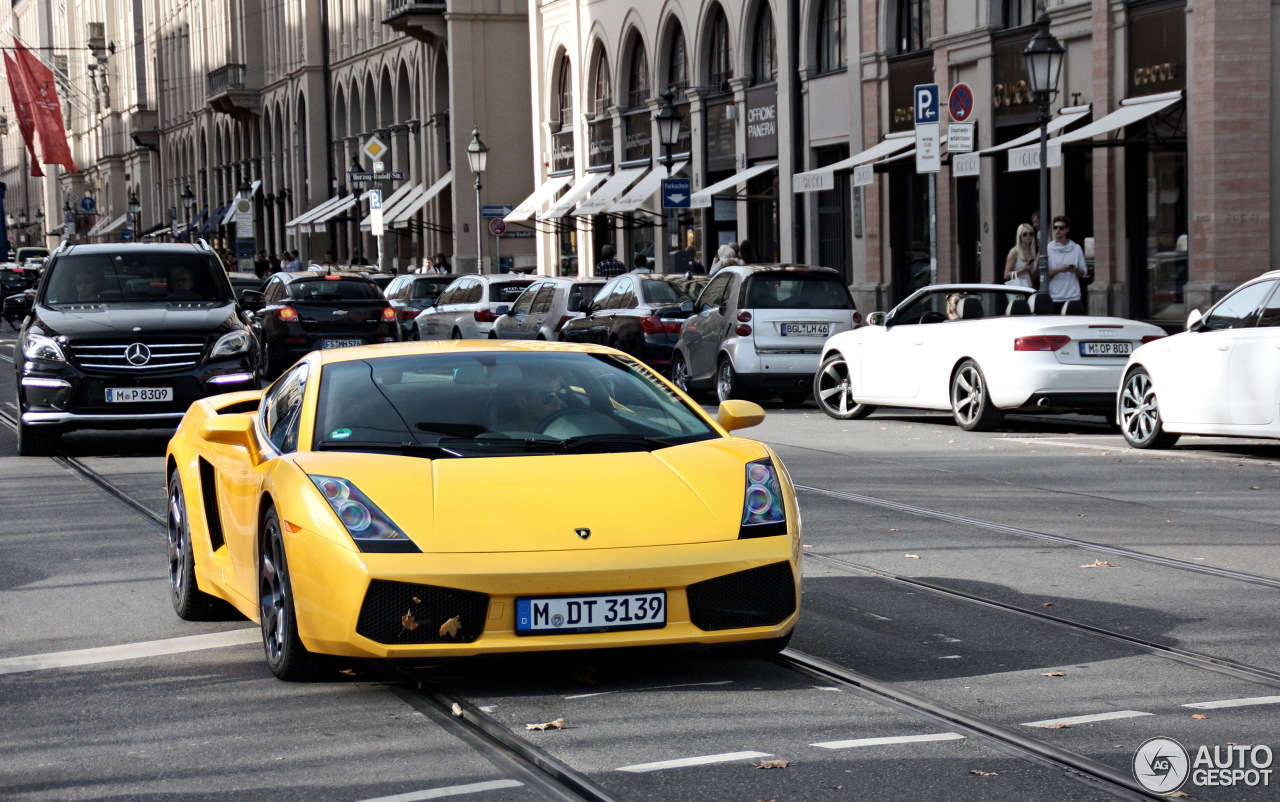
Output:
(828, 688)
(1256, 700)
(949, 657)
(488, 708)
(685, 762)
(879, 617)
(654, 688)
(1087, 719)
(889, 739)
(1123, 448)
(128, 651)
(452, 790)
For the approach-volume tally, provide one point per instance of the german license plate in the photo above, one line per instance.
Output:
(806, 329)
(133, 395)
(348, 343)
(605, 613)
(1106, 349)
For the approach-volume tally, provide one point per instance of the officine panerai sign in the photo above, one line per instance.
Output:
(761, 121)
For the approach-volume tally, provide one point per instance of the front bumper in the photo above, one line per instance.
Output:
(355, 604)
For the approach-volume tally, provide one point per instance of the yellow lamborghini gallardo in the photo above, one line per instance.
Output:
(464, 498)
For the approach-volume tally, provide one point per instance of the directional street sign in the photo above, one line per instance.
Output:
(396, 176)
(676, 193)
(496, 210)
(88, 205)
(928, 144)
(960, 103)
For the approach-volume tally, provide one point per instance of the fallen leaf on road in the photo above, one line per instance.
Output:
(1098, 564)
(984, 773)
(348, 671)
(456, 710)
(1048, 604)
(1255, 487)
(772, 764)
(912, 556)
(558, 724)
(1053, 674)
(1198, 715)
(1057, 725)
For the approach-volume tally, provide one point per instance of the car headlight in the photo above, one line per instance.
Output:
(367, 525)
(764, 510)
(232, 343)
(38, 346)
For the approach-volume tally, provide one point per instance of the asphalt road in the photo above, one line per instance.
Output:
(950, 565)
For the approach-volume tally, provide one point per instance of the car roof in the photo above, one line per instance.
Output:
(343, 274)
(774, 267)
(148, 247)
(381, 350)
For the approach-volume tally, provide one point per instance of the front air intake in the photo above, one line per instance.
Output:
(402, 612)
(759, 597)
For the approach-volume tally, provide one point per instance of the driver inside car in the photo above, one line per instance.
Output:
(529, 402)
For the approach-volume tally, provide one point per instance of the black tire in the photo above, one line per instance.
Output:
(728, 386)
(456, 334)
(753, 648)
(287, 658)
(970, 402)
(1138, 411)
(189, 602)
(413, 334)
(832, 391)
(34, 441)
(680, 374)
(493, 335)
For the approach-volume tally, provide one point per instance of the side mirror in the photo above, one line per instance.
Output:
(739, 415)
(232, 430)
(687, 306)
(502, 310)
(586, 308)
(877, 319)
(1193, 319)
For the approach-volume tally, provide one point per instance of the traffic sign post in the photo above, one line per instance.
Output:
(929, 160)
(676, 193)
(375, 220)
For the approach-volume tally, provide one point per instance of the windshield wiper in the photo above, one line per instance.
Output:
(406, 448)
(606, 443)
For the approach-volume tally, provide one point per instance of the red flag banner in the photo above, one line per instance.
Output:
(22, 109)
(48, 111)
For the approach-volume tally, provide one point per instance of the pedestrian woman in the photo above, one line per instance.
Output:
(1020, 264)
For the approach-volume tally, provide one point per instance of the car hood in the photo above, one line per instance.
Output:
(684, 494)
(94, 320)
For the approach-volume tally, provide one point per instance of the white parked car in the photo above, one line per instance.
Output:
(1219, 377)
(994, 357)
(466, 309)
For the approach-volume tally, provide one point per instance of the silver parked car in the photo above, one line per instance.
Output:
(466, 309)
(410, 294)
(544, 307)
(759, 329)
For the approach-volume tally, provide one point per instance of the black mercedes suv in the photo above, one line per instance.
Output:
(126, 336)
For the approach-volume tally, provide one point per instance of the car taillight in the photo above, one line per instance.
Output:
(744, 316)
(857, 318)
(652, 324)
(1040, 342)
(563, 320)
(484, 316)
(742, 330)
(408, 314)
(287, 313)
(388, 313)
(1147, 338)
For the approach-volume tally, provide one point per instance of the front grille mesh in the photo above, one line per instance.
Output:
(385, 615)
(758, 597)
(112, 355)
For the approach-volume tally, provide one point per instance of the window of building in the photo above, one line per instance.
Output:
(1019, 12)
(602, 87)
(831, 36)
(564, 93)
(637, 76)
(764, 56)
(677, 70)
(913, 25)
(719, 57)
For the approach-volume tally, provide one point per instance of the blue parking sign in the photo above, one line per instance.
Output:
(926, 105)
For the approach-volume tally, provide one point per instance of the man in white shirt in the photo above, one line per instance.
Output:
(1066, 265)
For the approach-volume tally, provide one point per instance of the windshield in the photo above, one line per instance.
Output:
(675, 290)
(499, 404)
(335, 288)
(135, 277)
(796, 291)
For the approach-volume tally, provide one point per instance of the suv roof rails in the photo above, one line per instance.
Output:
(203, 245)
(62, 246)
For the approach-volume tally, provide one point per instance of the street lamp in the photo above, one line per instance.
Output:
(668, 120)
(135, 206)
(478, 156)
(188, 202)
(1044, 64)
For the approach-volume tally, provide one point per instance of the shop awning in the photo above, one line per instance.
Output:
(93, 231)
(533, 204)
(1065, 117)
(390, 202)
(645, 188)
(610, 189)
(412, 204)
(215, 219)
(304, 219)
(579, 191)
(101, 230)
(823, 178)
(230, 215)
(702, 198)
(155, 231)
(334, 210)
(1131, 111)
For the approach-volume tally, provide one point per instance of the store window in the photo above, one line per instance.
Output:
(602, 85)
(637, 76)
(913, 25)
(1018, 13)
(764, 57)
(831, 55)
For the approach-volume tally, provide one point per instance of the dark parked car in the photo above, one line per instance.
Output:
(301, 312)
(640, 313)
(17, 306)
(127, 336)
(412, 293)
(541, 310)
(15, 277)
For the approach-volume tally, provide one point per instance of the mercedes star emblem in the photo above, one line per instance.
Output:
(137, 354)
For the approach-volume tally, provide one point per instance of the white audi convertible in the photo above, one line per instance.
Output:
(979, 350)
